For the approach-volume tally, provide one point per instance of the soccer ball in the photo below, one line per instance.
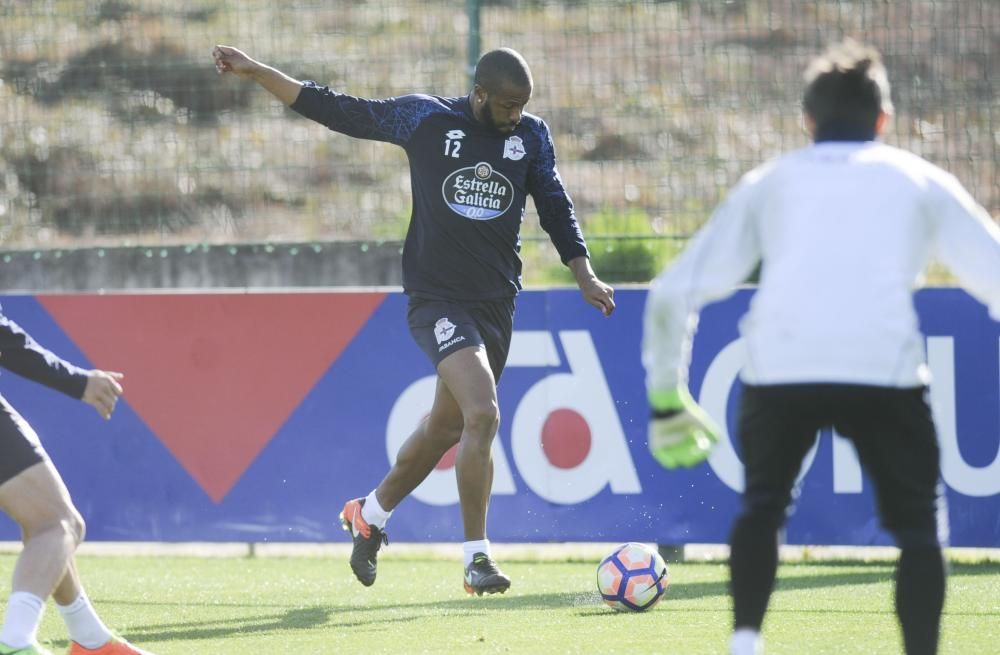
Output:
(633, 578)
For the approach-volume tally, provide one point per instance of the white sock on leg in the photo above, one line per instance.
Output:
(24, 613)
(470, 548)
(372, 512)
(83, 624)
(746, 641)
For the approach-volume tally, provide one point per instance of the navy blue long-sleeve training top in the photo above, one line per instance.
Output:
(21, 354)
(469, 183)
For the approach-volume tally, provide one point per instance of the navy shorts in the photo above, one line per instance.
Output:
(20, 448)
(441, 327)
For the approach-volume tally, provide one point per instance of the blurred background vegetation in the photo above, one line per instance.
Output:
(115, 129)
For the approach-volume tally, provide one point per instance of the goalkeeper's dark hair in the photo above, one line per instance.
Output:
(847, 87)
(502, 65)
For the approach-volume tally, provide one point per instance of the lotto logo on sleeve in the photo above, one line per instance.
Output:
(566, 438)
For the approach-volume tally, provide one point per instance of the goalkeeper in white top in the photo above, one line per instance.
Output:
(842, 230)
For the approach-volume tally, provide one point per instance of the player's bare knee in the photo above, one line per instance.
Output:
(482, 422)
(72, 526)
(77, 527)
(65, 521)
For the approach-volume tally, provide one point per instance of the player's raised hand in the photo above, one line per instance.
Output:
(232, 60)
(102, 391)
(681, 433)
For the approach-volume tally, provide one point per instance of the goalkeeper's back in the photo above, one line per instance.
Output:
(843, 231)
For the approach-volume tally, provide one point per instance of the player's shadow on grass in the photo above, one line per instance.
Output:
(475, 604)
(787, 580)
(294, 619)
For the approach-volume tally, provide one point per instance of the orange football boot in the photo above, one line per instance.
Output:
(116, 646)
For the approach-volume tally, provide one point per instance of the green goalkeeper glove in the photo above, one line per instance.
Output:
(681, 433)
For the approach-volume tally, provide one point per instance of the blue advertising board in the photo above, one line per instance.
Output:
(253, 417)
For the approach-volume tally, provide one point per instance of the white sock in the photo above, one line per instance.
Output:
(470, 548)
(372, 512)
(746, 641)
(85, 627)
(24, 613)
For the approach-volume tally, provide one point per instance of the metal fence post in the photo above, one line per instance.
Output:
(472, 10)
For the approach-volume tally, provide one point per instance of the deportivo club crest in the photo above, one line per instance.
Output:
(478, 192)
(513, 148)
(443, 329)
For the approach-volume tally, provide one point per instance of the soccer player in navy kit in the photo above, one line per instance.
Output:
(34, 495)
(842, 229)
(474, 160)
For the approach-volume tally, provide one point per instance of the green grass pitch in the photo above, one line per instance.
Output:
(228, 606)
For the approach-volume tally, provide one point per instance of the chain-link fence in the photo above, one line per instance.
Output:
(115, 128)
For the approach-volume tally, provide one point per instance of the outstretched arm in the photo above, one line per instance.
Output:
(235, 61)
(392, 120)
(21, 354)
(721, 256)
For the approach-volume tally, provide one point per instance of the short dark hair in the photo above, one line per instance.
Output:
(502, 65)
(847, 86)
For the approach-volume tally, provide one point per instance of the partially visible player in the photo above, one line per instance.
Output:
(474, 160)
(33, 494)
(842, 229)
